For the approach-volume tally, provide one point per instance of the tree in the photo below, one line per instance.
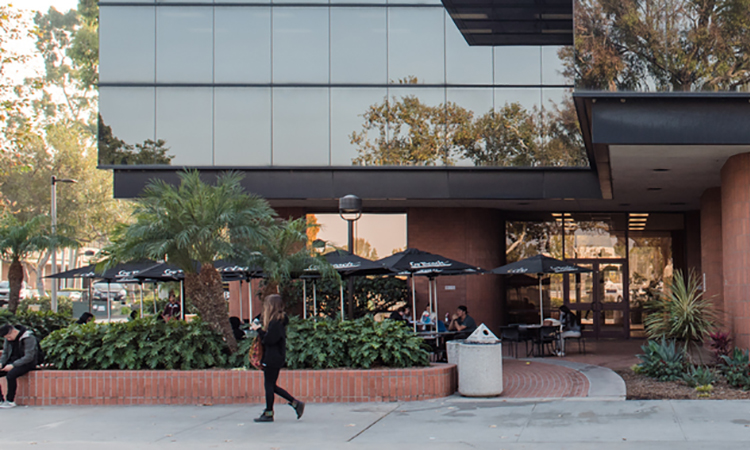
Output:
(196, 222)
(678, 45)
(19, 239)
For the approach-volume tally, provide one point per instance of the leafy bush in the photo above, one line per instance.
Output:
(662, 360)
(42, 323)
(699, 376)
(361, 343)
(138, 344)
(64, 305)
(736, 368)
(721, 344)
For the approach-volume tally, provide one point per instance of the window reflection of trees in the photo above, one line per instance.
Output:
(406, 131)
(115, 151)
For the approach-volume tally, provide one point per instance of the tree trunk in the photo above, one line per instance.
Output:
(15, 281)
(207, 293)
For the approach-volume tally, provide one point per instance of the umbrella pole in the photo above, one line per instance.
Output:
(240, 301)
(437, 316)
(109, 303)
(413, 303)
(541, 302)
(429, 295)
(141, 286)
(315, 301)
(304, 299)
(341, 292)
(155, 293)
(250, 299)
(182, 300)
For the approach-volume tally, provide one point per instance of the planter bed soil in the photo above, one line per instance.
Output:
(641, 387)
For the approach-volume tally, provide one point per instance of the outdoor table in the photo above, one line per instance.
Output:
(538, 333)
(437, 341)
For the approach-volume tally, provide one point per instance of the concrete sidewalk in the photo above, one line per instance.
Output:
(449, 423)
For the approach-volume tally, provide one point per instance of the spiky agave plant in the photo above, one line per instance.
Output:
(681, 312)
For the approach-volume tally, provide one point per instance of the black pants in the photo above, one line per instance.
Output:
(12, 376)
(270, 376)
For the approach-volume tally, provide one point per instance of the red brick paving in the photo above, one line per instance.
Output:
(524, 379)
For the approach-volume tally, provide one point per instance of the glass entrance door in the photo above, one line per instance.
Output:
(600, 298)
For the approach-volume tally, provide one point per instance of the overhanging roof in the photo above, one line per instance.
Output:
(513, 22)
(661, 150)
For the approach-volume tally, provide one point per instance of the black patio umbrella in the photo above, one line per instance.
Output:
(348, 265)
(414, 262)
(539, 265)
(81, 272)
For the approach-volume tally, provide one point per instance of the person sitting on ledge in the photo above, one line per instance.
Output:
(19, 358)
(463, 322)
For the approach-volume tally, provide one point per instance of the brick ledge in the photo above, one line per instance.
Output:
(172, 387)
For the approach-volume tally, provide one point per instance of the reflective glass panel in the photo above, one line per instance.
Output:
(524, 239)
(595, 236)
(348, 107)
(465, 64)
(127, 44)
(300, 45)
(184, 45)
(184, 118)
(416, 45)
(301, 127)
(358, 45)
(651, 267)
(370, 2)
(477, 101)
(414, 2)
(242, 45)
(518, 65)
(552, 66)
(127, 113)
(242, 126)
(528, 98)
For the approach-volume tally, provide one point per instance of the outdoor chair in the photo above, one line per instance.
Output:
(581, 342)
(546, 337)
(512, 335)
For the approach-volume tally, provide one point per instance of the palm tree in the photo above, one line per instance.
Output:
(196, 223)
(18, 240)
(286, 255)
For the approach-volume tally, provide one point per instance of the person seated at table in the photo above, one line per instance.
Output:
(571, 328)
(402, 314)
(462, 321)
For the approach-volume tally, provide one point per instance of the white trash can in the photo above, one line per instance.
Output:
(451, 351)
(480, 364)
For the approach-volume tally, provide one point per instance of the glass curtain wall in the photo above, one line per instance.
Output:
(319, 83)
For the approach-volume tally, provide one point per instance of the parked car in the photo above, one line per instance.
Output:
(73, 295)
(113, 291)
(5, 292)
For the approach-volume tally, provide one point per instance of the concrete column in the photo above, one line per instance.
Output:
(474, 236)
(735, 227)
(712, 262)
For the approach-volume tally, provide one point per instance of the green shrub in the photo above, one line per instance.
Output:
(42, 323)
(138, 344)
(736, 368)
(699, 376)
(662, 360)
(360, 343)
(64, 305)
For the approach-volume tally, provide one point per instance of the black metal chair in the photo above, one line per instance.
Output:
(512, 335)
(581, 341)
(546, 337)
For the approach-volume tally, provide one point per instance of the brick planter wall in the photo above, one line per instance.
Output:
(154, 387)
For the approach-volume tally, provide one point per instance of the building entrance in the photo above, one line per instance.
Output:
(600, 298)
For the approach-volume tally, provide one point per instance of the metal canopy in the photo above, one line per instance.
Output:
(513, 22)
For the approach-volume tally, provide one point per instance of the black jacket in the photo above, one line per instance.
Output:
(26, 349)
(274, 343)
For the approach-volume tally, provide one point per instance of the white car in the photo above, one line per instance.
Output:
(613, 291)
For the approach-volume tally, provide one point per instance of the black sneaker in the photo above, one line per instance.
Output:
(267, 416)
(299, 407)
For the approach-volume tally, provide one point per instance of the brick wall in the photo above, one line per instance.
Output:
(166, 387)
(712, 261)
(472, 236)
(735, 221)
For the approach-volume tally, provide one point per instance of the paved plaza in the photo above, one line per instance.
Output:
(450, 423)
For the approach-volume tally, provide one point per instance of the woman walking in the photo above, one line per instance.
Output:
(273, 338)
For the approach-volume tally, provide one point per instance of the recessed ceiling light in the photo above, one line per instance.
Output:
(661, 170)
(638, 214)
(654, 189)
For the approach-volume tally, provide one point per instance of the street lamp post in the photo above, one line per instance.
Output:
(53, 215)
(350, 209)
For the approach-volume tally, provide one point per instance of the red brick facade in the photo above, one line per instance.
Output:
(712, 260)
(735, 224)
(473, 236)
